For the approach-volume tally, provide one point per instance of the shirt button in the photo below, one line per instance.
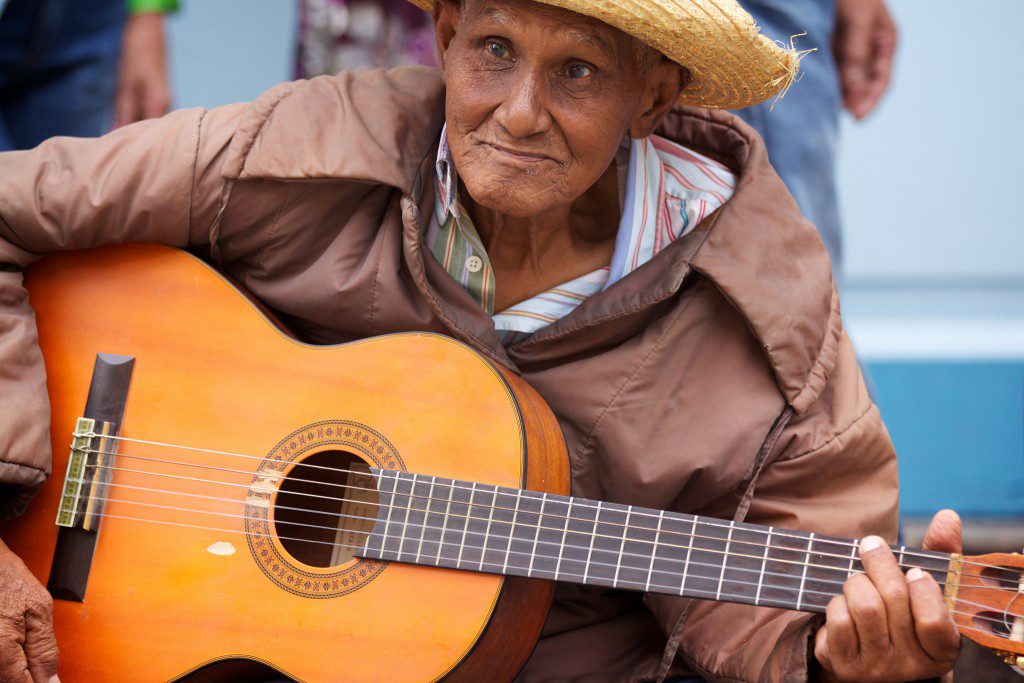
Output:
(474, 264)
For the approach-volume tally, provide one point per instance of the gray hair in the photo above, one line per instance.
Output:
(647, 57)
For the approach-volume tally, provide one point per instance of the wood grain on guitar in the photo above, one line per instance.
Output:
(268, 505)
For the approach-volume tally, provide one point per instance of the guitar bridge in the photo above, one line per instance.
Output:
(74, 482)
(88, 475)
(87, 478)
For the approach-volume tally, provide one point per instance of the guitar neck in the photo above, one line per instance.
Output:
(464, 525)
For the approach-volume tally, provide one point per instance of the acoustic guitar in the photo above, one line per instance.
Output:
(227, 499)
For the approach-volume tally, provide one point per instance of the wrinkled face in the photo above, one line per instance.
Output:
(538, 99)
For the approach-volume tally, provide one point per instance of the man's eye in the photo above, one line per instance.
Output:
(497, 49)
(577, 71)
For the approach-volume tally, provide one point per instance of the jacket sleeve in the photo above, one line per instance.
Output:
(833, 471)
(155, 181)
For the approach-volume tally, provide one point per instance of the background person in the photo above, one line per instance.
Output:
(854, 42)
(79, 67)
(335, 35)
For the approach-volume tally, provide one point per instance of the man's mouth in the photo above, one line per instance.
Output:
(522, 156)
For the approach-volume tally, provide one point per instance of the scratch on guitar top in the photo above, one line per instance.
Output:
(222, 548)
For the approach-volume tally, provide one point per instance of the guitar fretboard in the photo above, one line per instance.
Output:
(476, 527)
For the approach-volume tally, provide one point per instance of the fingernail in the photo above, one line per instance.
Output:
(54, 679)
(870, 543)
(915, 574)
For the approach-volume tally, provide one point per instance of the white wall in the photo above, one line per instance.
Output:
(931, 184)
(225, 51)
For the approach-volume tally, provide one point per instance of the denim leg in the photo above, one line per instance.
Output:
(58, 71)
(802, 130)
(6, 144)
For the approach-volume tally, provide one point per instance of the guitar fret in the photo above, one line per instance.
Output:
(465, 528)
(654, 550)
(899, 561)
(561, 546)
(579, 533)
(725, 560)
(551, 541)
(536, 538)
(444, 524)
(803, 574)
(487, 530)
(410, 523)
(433, 532)
(689, 553)
(391, 509)
(426, 516)
(593, 537)
(622, 547)
(511, 535)
(764, 565)
(401, 507)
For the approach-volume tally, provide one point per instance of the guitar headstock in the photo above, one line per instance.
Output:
(985, 593)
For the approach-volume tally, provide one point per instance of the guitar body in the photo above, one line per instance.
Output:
(166, 600)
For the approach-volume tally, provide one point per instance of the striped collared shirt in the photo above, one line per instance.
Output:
(669, 189)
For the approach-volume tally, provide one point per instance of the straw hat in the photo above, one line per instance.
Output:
(732, 65)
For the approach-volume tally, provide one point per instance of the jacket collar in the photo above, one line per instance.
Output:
(382, 127)
(766, 259)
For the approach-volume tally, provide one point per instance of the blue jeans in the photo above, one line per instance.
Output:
(58, 68)
(802, 131)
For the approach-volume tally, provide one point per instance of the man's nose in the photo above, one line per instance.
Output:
(523, 113)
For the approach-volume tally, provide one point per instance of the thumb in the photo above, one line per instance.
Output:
(944, 533)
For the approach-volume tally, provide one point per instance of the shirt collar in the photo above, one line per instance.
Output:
(447, 180)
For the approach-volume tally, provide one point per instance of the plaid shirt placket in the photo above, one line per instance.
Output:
(453, 238)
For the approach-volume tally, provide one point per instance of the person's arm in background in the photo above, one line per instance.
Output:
(864, 46)
(143, 85)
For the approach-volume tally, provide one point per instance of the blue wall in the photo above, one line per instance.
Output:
(957, 427)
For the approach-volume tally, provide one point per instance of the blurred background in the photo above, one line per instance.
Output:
(933, 283)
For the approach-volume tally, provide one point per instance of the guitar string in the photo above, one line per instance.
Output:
(764, 559)
(383, 474)
(781, 533)
(281, 476)
(530, 526)
(564, 575)
(486, 539)
(487, 536)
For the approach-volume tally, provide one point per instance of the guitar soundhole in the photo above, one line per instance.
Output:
(325, 508)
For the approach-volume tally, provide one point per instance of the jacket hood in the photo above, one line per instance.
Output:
(764, 257)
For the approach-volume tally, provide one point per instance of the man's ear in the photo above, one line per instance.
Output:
(447, 14)
(665, 83)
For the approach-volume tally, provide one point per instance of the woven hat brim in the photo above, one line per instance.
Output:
(731, 64)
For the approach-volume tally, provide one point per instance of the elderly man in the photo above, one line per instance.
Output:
(544, 199)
